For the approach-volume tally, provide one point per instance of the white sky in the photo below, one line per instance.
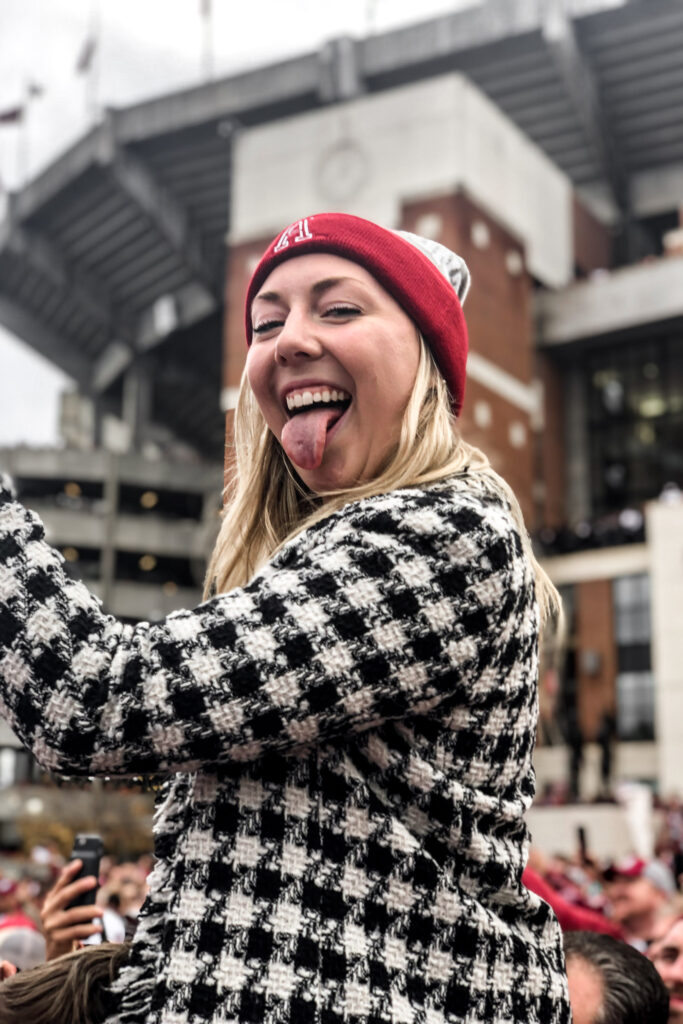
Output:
(146, 47)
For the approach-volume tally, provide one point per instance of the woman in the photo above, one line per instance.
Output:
(350, 718)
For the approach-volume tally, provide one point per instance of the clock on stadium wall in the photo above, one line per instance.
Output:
(342, 170)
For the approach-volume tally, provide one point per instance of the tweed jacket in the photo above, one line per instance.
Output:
(348, 744)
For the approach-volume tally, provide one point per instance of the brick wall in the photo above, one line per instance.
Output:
(596, 676)
(499, 317)
(592, 241)
(551, 474)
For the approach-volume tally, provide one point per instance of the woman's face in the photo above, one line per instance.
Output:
(332, 364)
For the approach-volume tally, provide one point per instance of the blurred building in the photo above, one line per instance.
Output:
(543, 141)
(136, 529)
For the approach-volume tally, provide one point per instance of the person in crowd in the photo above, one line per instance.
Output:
(348, 720)
(610, 982)
(72, 989)
(639, 894)
(669, 845)
(21, 944)
(667, 956)
(13, 913)
(22, 947)
(571, 916)
(605, 738)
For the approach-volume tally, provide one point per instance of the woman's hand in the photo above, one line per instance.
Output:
(63, 928)
(6, 970)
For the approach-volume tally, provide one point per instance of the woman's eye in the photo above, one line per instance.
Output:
(341, 311)
(266, 325)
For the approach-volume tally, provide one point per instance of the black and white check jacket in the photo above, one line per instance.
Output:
(348, 740)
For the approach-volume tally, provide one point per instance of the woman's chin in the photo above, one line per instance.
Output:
(328, 476)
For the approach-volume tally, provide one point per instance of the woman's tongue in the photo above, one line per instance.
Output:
(303, 437)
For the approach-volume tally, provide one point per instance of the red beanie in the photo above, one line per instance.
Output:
(427, 280)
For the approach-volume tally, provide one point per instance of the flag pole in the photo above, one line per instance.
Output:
(88, 63)
(93, 71)
(370, 16)
(207, 39)
(13, 117)
(32, 90)
(23, 140)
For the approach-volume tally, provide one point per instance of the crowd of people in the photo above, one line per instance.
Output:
(40, 915)
(622, 924)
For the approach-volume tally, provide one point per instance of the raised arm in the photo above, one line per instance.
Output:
(382, 610)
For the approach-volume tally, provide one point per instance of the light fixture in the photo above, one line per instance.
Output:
(148, 499)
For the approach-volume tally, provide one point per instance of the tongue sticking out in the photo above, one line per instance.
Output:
(303, 437)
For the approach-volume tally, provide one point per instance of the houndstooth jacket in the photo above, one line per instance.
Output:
(348, 740)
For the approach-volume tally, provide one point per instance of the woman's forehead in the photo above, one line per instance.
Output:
(307, 270)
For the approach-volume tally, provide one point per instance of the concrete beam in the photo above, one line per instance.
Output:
(479, 25)
(81, 285)
(110, 364)
(340, 76)
(581, 88)
(70, 165)
(221, 100)
(605, 564)
(173, 312)
(659, 190)
(641, 294)
(132, 468)
(171, 219)
(43, 339)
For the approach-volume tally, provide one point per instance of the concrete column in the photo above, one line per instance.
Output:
(137, 402)
(108, 552)
(576, 446)
(664, 522)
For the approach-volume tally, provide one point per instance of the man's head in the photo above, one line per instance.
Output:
(637, 891)
(612, 983)
(667, 956)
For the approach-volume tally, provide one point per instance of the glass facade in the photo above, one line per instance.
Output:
(635, 418)
(635, 683)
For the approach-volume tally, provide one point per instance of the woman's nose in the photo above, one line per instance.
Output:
(297, 339)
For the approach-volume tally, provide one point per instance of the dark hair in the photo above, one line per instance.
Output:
(633, 991)
(70, 989)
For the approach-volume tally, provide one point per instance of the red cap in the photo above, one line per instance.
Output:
(420, 288)
(629, 867)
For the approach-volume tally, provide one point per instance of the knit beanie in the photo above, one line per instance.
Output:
(427, 280)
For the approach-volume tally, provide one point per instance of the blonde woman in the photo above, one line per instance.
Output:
(348, 720)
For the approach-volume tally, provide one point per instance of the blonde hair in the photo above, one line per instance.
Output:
(267, 504)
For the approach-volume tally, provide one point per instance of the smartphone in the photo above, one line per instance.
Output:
(89, 849)
(583, 843)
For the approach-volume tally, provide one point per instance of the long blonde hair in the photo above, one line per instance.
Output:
(267, 504)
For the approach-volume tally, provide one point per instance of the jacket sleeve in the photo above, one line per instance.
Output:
(382, 610)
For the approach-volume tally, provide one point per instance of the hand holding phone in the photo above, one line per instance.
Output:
(88, 849)
(69, 915)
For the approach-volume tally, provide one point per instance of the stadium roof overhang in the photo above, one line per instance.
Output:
(114, 254)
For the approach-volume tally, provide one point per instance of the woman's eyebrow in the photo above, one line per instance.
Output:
(317, 289)
(329, 282)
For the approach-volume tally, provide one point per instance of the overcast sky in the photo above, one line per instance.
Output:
(146, 47)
